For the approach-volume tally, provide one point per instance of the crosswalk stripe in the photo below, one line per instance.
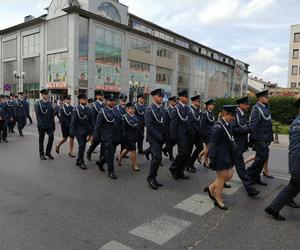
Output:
(114, 245)
(161, 229)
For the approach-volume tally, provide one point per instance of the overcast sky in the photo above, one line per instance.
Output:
(254, 31)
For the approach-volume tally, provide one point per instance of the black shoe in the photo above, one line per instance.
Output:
(219, 206)
(147, 154)
(43, 157)
(152, 183)
(165, 152)
(57, 149)
(268, 176)
(89, 156)
(50, 156)
(226, 185)
(112, 176)
(293, 204)
(12, 131)
(174, 175)
(191, 169)
(100, 166)
(183, 176)
(274, 214)
(4, 140)
(158, 183)
(72, 156)
(209, 193)
(253, 193)
(83, 166)
(261, 183)
(21, 134)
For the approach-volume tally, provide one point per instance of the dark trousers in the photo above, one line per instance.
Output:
(107, 154)
(262, 155)
(196, 141)
(156, 152)
(81, 139)
(21, 124)
(2, 122)
(182, 158)
(4, 131)
(42, 133)
(141, 136)
(242, 172)
(29, 118)
(169, 148)
(93, 146)
(11, 125)
(287, 193)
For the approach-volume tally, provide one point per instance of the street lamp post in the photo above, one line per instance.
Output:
(19, 77)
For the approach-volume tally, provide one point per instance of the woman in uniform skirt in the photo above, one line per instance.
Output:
(65, 119)
(221, 151)
(130, 136)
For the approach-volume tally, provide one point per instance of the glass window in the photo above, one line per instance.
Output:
(57, 65)
(9, 80)
(184, 70)
(163, 76)
(296, 53)
(31, 86)
(31, 44)
(162, 52)
(9, 49)
(297, 37)
(140, 45)
(294, 70)
(83, 52)
(293, 85)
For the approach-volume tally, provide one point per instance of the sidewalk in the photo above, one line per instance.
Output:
(283, 142)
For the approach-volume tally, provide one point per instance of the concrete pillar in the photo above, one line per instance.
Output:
(91, 59)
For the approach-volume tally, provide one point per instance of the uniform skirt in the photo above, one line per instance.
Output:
(130, 144)
(65, 131)
(220, 165)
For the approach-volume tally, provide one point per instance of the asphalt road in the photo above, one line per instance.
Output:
(55, 205)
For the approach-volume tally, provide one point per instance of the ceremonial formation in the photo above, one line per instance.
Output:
(217, 143)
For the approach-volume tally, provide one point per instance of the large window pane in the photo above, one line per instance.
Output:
(9, 81)
(184, 70)
(140, 45)
(9, 49)
(83, 52)
(31, 81)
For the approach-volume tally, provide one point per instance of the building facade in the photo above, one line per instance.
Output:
(256, 85)
(84, 45)
(294, 59)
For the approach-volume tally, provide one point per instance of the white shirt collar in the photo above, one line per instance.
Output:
(182, 104)
(262, 104)
(109, 108)
(225, 121)
(130, 115)
(242, 112)
(99, 101)
(81, 106)
(158, 106)
(194, 106)
(67, 104)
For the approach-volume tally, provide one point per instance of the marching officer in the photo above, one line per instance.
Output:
(261, 135)
(208, 120)
(154, 120)
(9, 107)
(289, 192)
(241, 130)
(179, 131)
(95, 110)
(65, 122)
(196, 132)
(107, 130)
(6, 112)
(2, 118)
(168, 149)
(11, 123)
(140, 109)
(120, 111)
(45, 123)
(81, 128)
(20, 107)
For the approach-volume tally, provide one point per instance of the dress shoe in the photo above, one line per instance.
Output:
(43, 157)
(268, 176)
(119, 161)
(183, 176)
(6, 141)
(72, 156)
(12, 131)
(100, 166)
(259, 182)
(136, 168)
(209, 193)
(89, 156)
(152, 183)
(147, 154)
(293, 204)
(219, 206)
(50, 156)
(112, 176)
(253, 193)
(191, 169)
(174, 175)
(275, 215)
(158, 183)
(83, 166)
(226, 185)
(21, 134)
(57, 149)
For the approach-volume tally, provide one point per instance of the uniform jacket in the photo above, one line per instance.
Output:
(167, 120)
(10, 108)
(20, 107)
(261, 124)
(154, 120)
(95, 109)
(81, 122)
(240, 128)
(140, 114)
(208, 120)
(195, 122)
(66, 115)
(294, 147)
(179, 126)
(130, 126)
(44, 115)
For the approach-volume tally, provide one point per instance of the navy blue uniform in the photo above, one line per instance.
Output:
(240, 132)
(208, 120)
(120, 112)
(140, 110)
(261, 135)
(65, 119)
(130, 131)
(222, 146)
(196, 134)
(2, 120)
(170, 143)
(45, 123)
(81, 128)
(154, 120)
(107, 130)
(7, 109)
(179, 131)
(20, 107)
(10, 104)
(293, 188)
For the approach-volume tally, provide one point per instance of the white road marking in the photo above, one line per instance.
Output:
(196, 204)
(161, 229)
(234, 187)
(114, 245)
